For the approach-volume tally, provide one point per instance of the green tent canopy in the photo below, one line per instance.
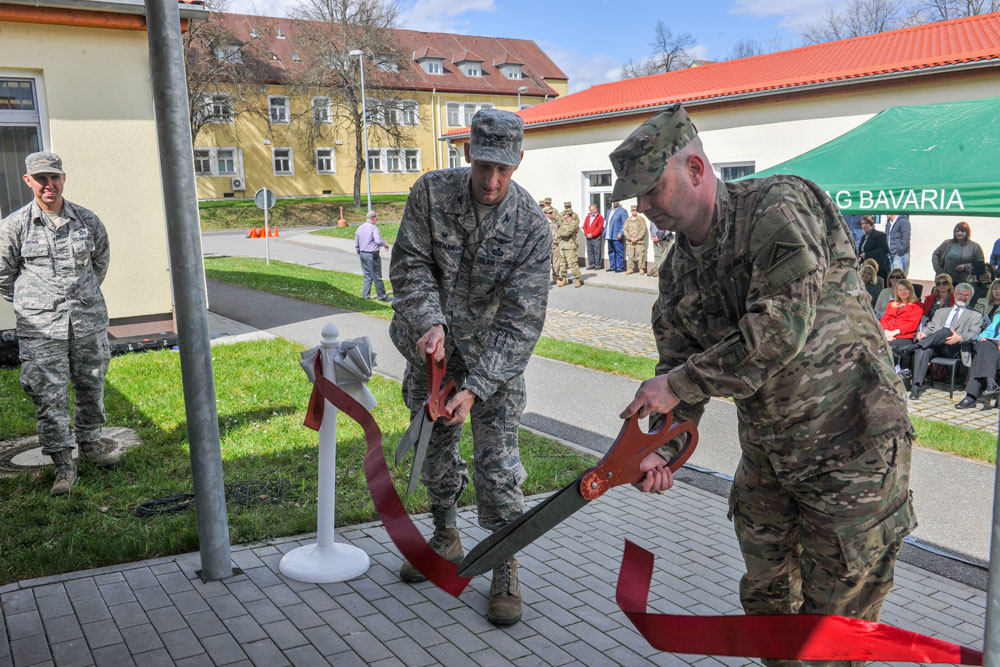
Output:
(931, 159)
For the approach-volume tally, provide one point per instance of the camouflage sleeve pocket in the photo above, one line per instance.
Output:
(782, 253)
(865, 543)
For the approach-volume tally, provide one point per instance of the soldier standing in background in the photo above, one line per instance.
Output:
(634, 230)
(760, 300)
(470, 279)
(662, 240)
(568, 208)
(569, 250)
(552, 215)
(53, 258)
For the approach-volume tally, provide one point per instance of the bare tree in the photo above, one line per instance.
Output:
(861, 17)
(223, 71)
(329, 72)
(746, 48)
(669, 52)
(944, 10)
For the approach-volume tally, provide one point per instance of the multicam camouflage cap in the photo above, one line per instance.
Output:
(567, 204)
(496, 137)
(640, 159)
(548, 200)
(43, 163)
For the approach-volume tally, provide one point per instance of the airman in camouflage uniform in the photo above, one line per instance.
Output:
(760, 300)
(552, 215)
(569, 250)
(634, 230)
(470, 275)
(53, 257)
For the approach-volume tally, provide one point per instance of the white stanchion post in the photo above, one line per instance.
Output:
(327, 561)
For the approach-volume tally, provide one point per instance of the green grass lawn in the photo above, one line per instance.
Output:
(388, 231)
(262, 395)
(243, 213)
(293, 280)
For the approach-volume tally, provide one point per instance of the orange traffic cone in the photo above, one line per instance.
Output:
(252, 233)
(273, 231)
(342, 222)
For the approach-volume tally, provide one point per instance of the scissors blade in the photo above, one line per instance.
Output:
(420, 452)
(411, 435)
(522, 531)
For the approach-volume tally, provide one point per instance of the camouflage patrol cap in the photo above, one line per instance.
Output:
(496, 137)
(640, 159)
(43, 163)
(567, 204)
(541, 202)
(548, 200)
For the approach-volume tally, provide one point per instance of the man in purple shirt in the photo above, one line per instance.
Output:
(367, 242)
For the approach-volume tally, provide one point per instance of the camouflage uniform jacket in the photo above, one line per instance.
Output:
(770, 310)
(576, 218)
(487, 283)
(566, 233)
(634, 228)
(54, 276)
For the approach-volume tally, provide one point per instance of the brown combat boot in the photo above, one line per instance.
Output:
(446, 542)
(102, 453)
(65, 472)
(628, 271)
(561, 282)
(505, 595)
(578, 282)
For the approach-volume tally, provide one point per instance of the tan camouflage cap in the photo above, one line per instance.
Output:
(548, 200)
(640, 159)
(541, 202)
(567, 204)
(496, 136)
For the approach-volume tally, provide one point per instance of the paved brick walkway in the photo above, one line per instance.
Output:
(158, 613)
(614, 334)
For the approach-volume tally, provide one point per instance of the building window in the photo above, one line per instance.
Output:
(279, 108)
(229, 53)
(734, 170)
(280, 34)
(600, 179)
(511, 71)
(460, 115)
(325, 161)
(412, 158)
(472, 69)
(408, 112)
(392, 160)
(296, 58)
(20, 135)
(218, 108)
(454, 114)
(597, 185)
(432, 66)
(322, 111)
(215, 161)
(282, 158)
(454, 158)
(374, 159)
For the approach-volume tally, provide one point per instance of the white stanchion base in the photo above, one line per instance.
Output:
(324, 565)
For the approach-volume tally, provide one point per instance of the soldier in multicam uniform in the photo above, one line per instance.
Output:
(760, 300)
(569, 250)
(470, 275)
(53, 257)
(568, 208)
(634, 230)
(558, 265)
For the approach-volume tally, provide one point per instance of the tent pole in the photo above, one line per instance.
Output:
(173, 132)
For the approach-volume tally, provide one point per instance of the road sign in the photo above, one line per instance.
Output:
(264, 198)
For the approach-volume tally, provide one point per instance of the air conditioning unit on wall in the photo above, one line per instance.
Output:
(238, 183)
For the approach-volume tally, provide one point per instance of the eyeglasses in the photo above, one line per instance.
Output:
(939, 283)
(895, 277)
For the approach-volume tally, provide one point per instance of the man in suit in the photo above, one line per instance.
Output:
(945, 334)
(613, 223)
(897, 229)
(875, 246)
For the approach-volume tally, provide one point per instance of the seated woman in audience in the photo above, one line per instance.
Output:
(901, 319)
(989, 306)
(941, 295)
(869, 279)
(983, 373)
(885, 296)
(981, 285)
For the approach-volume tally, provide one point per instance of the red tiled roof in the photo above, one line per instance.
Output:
(537, 65)
(466, 56)
(427, 52)
(507, 59)
(960, 41)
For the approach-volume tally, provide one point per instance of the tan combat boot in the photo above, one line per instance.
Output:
(561, 282)
(505, 595)
(65, 472)
(642, 272)
(628, 271)
(446, 542)
(578, 282)
(102, 453)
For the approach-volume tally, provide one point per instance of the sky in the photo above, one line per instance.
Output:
(590, 40)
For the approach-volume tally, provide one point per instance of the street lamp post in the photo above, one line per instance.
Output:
(521, 89)
(364, 120)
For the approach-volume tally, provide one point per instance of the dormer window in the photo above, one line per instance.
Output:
(432, 66)
(271, 55)
(471, 69)
(280, 34)
(229, 53)
(511, 71)
(296, 58)
(386, 64)
(429, 60)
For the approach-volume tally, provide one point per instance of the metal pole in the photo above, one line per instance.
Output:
(364, 119)
(166, 63)
(267, 235)
(991, 643)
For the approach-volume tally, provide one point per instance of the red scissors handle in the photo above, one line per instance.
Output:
(437, 398)
(620, 464)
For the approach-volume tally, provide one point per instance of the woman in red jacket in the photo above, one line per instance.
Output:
(901, 318)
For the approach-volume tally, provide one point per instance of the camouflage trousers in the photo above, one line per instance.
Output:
(826, 544)
(635, 252)
(660, 249)
(498, 473)
(47, 368)
(558, 263)
(569, 260)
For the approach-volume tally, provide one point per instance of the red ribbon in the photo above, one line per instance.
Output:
(783, 637)
(390, 508)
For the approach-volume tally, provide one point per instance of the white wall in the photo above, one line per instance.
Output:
(765, 133)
